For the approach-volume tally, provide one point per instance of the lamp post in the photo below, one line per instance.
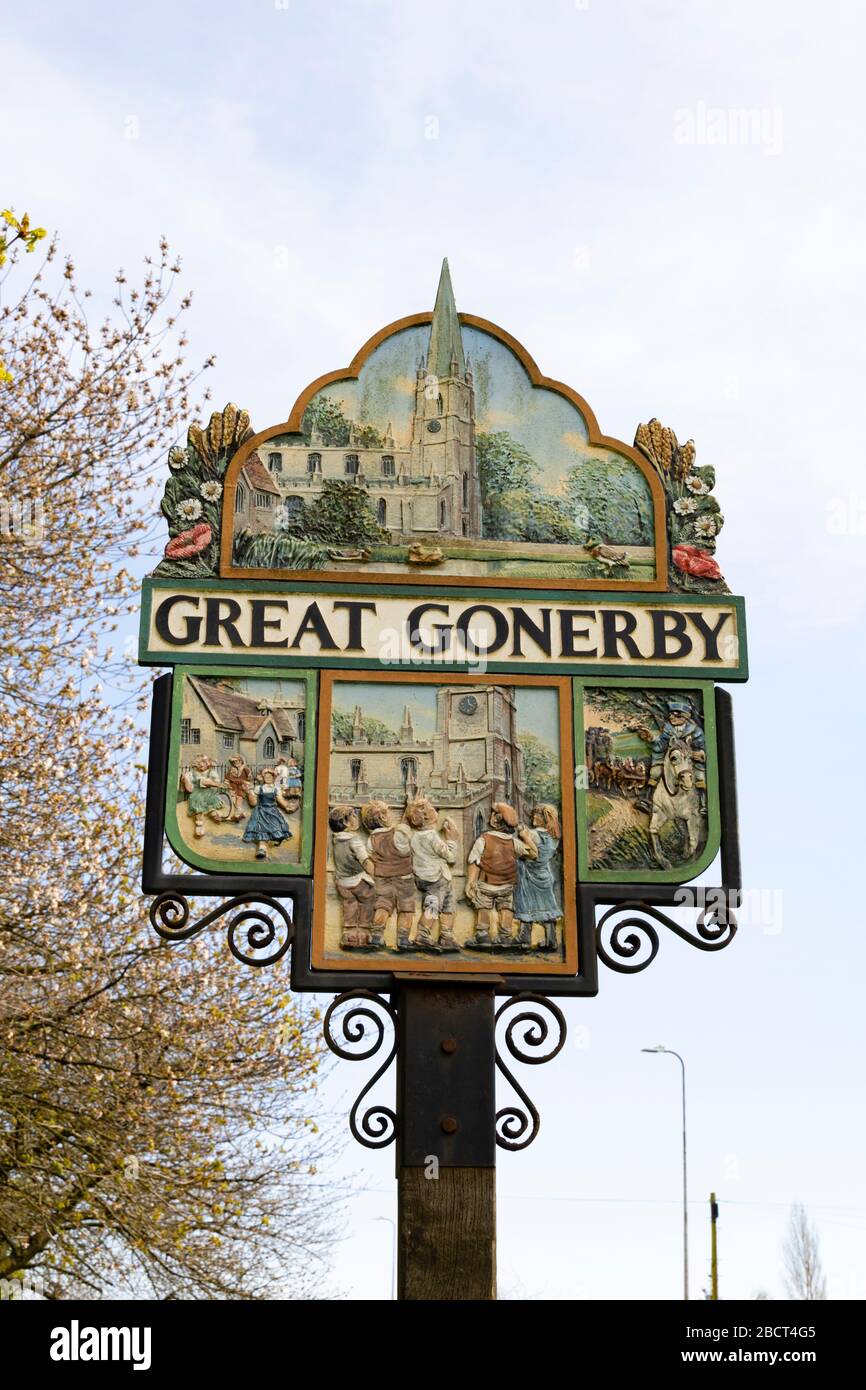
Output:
(671, 1053)
(393, 1226)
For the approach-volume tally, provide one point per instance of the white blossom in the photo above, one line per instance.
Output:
(684, 506)
(190, 510)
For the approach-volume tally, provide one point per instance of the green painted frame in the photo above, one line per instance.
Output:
(328, 660)
(685, 873)
(172, 826)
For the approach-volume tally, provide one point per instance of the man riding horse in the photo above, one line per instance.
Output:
(680, 725)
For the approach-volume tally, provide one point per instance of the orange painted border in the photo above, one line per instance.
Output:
(521, 966)
(293, 426)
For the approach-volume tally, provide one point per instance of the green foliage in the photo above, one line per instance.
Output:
(607, 497)
(646, 707)
(341, 725)
(326, 416)
(503, 465)
(342, 514)
(540, 778)
(194, 489)
(21, 231)
(271, 551)
(514, 507)
(690, 529)
(632, 848)
(369, 437)
(613, 499)
(597, 807)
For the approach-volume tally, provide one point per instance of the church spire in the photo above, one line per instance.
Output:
(407, 729)
(446, 339)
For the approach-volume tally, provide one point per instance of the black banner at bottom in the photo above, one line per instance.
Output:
(57, 1340)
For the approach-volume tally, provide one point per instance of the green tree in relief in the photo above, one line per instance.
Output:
(342, 514)
(514, 507)
(541, 779)
(374, 729)
(326, 416)
(612, 497)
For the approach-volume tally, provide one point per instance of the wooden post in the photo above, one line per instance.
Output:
(446, 1147)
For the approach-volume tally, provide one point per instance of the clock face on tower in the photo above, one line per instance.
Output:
(468, 705)
(433, 426)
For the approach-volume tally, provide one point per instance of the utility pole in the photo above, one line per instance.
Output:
(714, 1254)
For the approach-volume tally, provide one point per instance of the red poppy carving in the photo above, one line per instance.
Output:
(692, 560)
(189, 543)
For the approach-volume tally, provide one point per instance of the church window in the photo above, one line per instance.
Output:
(187, 733)
(440, 404)
(240, 498)
(388, 465)
(409, 771)
(264, 499)
(228, 740)
(509, 781)
(314, 463)
(465, 489)
(293, 506)
(285, 745)
(465, 527)
(479, 824)
(356, 768)
(269, 749)
(351, 464)
(275, 463)
(302, 725)
(381, 511)
(443, 513)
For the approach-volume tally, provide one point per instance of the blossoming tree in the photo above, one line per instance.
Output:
(157, 1110)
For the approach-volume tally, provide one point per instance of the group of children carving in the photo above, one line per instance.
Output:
(389, 863)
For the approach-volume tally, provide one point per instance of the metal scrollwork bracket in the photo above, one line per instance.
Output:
(631, 943)
(264, 919)
(378, 1124)
(516, 1128)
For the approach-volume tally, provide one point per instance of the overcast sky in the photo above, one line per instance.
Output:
(313, 163)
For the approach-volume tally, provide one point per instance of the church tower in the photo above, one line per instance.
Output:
(443, 429)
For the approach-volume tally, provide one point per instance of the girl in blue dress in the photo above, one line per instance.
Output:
(536, 898)
(267, 824)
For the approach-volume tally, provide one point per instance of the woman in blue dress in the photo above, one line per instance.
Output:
(536, 898)
(267, 824)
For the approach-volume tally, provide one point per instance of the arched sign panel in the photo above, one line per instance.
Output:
(445, 661)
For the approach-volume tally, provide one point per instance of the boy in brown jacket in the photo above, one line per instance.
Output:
(393, 879)
(491, 875)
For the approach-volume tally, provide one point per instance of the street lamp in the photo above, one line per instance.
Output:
(671, 1053)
